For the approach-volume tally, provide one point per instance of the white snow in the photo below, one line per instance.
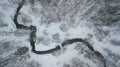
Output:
(81, 30)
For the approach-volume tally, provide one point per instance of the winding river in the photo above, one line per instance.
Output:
(33, 30)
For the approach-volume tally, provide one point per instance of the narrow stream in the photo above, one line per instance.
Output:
(33, 30)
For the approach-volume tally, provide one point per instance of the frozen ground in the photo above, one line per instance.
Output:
(96, 21)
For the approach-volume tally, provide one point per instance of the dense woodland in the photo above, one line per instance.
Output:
(59, 33)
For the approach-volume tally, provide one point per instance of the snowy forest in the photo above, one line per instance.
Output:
(59, 33)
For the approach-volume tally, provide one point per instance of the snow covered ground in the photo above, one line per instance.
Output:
(56, 21)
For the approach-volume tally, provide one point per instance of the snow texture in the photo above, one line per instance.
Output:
(97, 21)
